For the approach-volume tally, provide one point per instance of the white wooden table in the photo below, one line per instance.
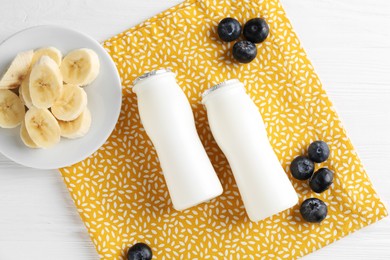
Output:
(347, 40)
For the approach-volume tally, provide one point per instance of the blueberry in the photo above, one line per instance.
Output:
(244, 51)
(139, 251)
(229, 29)
(314, 210)
(318, 151)
(302, 168)
(321, 180)
(256, 30)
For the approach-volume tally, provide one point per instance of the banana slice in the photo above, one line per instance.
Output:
(80, 67)
(51, 52)
(70, 104)
(24, 92)
(45, 82)
(76, 128)
(42, 127)
(17, 71)
(11, 109)
(26, 137)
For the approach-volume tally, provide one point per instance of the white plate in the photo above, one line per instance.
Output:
(104, 99)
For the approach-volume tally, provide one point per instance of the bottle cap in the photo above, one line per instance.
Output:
(223, 84)
(150, 74)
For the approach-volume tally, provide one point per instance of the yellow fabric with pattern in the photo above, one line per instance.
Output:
(120, 191)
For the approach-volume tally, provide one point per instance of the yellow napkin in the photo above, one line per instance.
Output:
(121, 194)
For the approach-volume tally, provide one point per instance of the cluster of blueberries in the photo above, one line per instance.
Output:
(256, 30)
(302, 168)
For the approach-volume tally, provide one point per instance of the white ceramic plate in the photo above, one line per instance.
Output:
(104, 99)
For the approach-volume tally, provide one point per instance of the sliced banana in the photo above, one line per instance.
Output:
(76, 128)
(70, 104)
(51, 52)
(42, 127)
(45, 82)
(40, 77)
(17, 71)
(11, 109)
(80, 67)
(24, 92)
(26, 137)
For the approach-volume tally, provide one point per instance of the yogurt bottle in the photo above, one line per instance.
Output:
(239, 131)
(169, 122)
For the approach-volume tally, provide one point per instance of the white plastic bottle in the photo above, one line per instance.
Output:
(169, 122)
(238, 129)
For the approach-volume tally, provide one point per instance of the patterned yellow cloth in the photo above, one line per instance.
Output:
(121, 194)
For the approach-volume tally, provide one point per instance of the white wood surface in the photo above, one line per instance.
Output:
(347, 40)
